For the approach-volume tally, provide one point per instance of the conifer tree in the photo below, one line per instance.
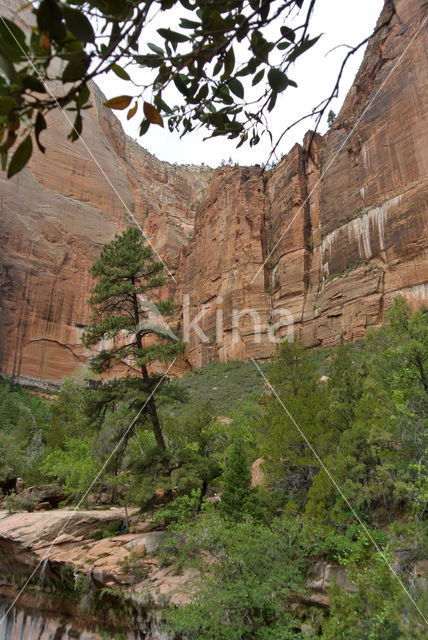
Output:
(127, 272)
(237, 483)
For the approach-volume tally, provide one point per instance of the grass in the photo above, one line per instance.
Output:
(224, 385)
(229, 385)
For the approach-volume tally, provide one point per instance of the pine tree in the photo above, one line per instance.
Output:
(126, 274)
(237, 482)
(331, 117)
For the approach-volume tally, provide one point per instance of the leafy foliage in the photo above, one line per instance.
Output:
(253, 569)
(204, 60)
(230, 387)
(360, 423)
(236, 484)
(22, 418)
(75, 467)
(376, 606)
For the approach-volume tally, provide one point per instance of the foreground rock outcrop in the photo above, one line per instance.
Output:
(74, 561)
(317, 247)
(72, 573)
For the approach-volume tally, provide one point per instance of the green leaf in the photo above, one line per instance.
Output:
(172, 36)
(7, 67)
(148, 60)
(20, 157)
(288, 33)
(76, 68)
(254, 140)
(77, 128)
(155, 48)
(236, 87)
(229, 63)
(121, 73)
(242, 139)
(33, 83)
(224, 95)
(260, 46)
(301, 48)
(180, 84)
(12, 40)
(49, 19)
(7, 103)
(218, 66)
(259, 75)
(161, 104)
(144, 126)
(189, 24)
(78, 24)
(277, 80)
(202, 94)
(39, 126)
(218, 119)
(272, 101)
(83, 96)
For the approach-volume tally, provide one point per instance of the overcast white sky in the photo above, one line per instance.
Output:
(340, 22)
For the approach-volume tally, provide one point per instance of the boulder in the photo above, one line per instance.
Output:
(39, 497)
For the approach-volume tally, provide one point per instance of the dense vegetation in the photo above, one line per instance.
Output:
(367, 423)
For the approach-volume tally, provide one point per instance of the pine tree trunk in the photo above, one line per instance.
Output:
(151, 405)
(202, 495)
(155, 424)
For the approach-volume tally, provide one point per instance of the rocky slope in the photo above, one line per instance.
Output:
(343, 225)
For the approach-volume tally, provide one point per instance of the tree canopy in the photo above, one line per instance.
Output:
(215, 45)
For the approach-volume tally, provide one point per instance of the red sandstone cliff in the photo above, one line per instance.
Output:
(344, 225)
(55, 217)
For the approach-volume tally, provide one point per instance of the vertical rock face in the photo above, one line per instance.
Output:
(372, 197)
(20, 623)
(55, 217)
(317, 248)
(344, 223)
(221, 273)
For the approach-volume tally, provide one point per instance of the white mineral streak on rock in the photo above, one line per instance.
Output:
(362, 230)
(418, 292)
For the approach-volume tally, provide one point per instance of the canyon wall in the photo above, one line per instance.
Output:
(343, 220)
(55, 217)
(317, 247)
